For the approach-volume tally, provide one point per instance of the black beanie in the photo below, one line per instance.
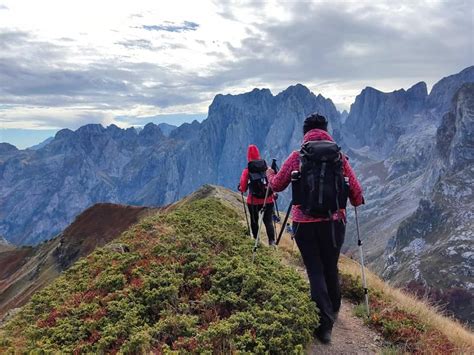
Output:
(313, 121)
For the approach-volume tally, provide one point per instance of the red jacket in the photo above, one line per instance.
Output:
(252, 154)
(282, 179)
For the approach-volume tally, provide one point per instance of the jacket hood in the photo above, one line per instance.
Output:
(253, 153)
(317, 135)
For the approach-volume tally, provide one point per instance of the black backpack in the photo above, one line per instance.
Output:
(258, 182)
(321, 188)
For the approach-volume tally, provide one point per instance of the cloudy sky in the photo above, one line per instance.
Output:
(68, 63)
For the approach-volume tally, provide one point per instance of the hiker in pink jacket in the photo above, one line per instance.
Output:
(253, 178)
(320, 237)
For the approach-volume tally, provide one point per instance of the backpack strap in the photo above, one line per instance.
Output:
(321, 183)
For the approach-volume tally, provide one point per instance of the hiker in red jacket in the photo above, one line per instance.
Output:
(254, 178)
(319, 237)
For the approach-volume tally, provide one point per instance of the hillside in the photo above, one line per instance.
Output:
(183, 281)
(26, 270)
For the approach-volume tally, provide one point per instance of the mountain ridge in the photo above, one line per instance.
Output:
(391, 139)
(26, 270)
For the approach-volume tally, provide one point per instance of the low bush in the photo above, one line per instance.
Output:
(186, 285)
(404, 330)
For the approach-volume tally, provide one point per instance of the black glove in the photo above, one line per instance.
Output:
(274, 165)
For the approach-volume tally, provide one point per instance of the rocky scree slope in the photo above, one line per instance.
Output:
(441, 230)
(397, 179)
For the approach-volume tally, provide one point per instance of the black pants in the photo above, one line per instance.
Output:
(320, 254)
(267, 220)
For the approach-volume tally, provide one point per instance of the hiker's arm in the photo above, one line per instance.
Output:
(355, 189)
(280, 181)
(244, 178)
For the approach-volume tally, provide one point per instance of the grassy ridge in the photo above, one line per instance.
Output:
(186, 284)
(410, 324)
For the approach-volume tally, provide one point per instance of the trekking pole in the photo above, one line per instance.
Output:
(284, 223)
(364, 282)
(246, 217)
(260, 220)
(277, 215)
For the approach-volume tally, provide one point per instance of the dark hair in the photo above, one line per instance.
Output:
(315, 120)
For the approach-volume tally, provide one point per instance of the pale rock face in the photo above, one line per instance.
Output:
(45, 189)
(445, 219)
(378, 119)
(441, 95)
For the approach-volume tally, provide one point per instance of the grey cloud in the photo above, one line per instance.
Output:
(226, 9)
(10, 38)
(173, 27)
(3, 7)
(40, 78)
(325, 41)
(136, 44)
(65, 39)
(322, 42)
(148, 45)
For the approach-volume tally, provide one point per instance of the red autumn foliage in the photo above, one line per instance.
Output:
(94, 337)
(189, 345)
(101, 313)
(136, 283)
(50, 321)
(404, 328)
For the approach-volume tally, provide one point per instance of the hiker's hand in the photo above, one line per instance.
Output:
(275, 196)
(270, 171)
(238, 187)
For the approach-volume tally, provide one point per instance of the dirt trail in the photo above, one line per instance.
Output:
(349, 336)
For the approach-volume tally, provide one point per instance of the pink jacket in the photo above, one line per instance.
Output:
(280, 181)
(252, 154)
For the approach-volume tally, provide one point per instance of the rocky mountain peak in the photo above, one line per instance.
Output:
(254, 97)
(455, 138)
(296, 90)
(419, 91)
(7, 148)
(443, 91)
(166, 128)
(65, 133)
(92, 128)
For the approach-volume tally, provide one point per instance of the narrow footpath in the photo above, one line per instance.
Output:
(349, 336)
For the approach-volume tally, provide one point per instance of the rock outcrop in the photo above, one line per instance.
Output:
(45, 189)
(441, 230)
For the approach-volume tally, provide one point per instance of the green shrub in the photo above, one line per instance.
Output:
(190, 289)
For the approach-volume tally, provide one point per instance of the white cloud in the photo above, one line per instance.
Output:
(63, 63)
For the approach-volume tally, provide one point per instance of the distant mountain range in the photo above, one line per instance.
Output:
(398, 143)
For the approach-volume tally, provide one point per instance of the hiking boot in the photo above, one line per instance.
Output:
(272, 243)
(324, 335)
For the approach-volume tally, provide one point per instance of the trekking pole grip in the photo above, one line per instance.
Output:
(274, 165)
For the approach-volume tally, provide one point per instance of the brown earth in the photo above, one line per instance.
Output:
(349, 336)
(25, 270)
